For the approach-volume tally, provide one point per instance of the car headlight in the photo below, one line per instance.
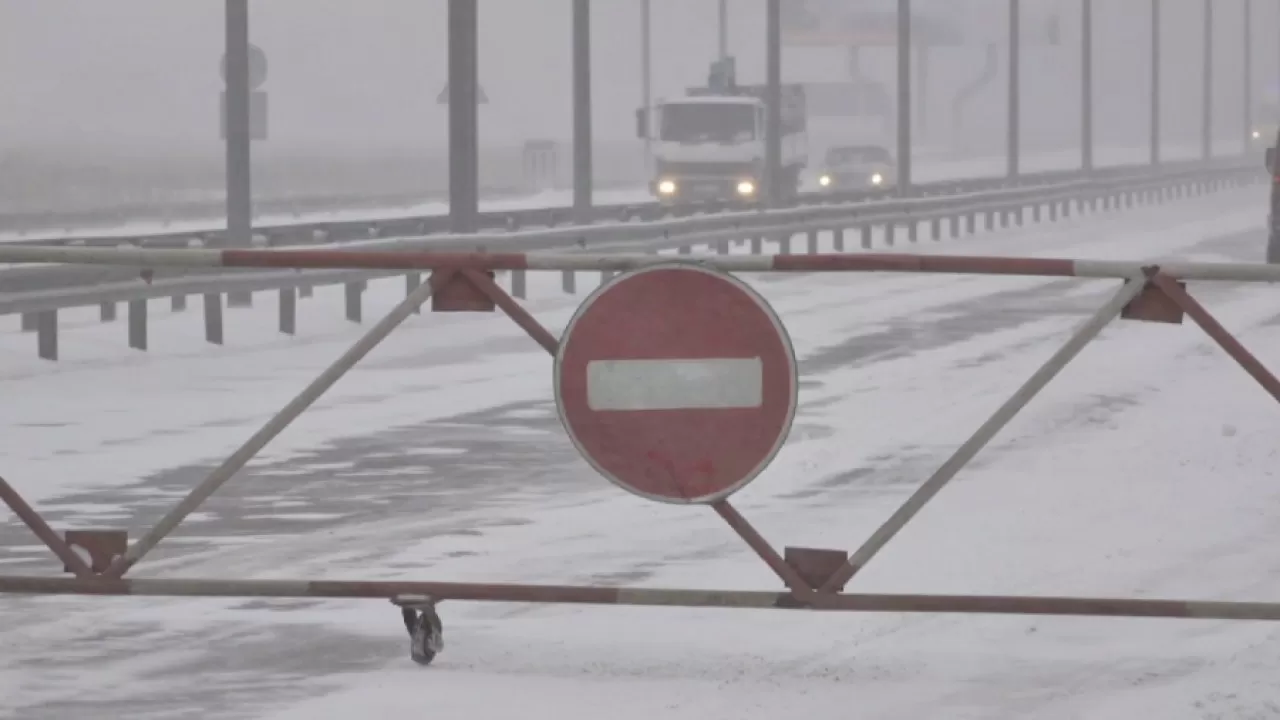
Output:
(824, 181)
(667, 187)
(1256, 134)
(877, 178)
(746, 187)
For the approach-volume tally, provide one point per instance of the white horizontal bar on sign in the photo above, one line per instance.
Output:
(675, 384)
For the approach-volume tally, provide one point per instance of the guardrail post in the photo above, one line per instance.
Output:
(213, 318)
(954, 223)
(1035, 213)
(138, 324)
(866, 237)
(107, 312)
(935, 228)
(757, 245)
(47, 335)
(913, 230)
(288, 310)
(684, 249)
(837, 237)
(29, 322)
(411, 283)
(990, 220)
(178, 303)
(605, 276)
(784, 243)
(568, 282)
(813, 242)
(305, 291)
(354, 294)
(520, 284)
(971, 223)
(888, 233)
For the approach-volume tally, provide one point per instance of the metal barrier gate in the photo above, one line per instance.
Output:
(749, 387)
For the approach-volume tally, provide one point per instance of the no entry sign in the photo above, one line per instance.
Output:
(676, 383)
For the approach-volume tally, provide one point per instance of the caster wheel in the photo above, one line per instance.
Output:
(426, 631)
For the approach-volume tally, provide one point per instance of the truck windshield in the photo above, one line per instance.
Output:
(708, 122)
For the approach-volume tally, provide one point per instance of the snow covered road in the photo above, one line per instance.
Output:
(1147, 468)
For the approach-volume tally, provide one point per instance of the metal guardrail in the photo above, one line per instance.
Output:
(39, 307)
(323, 232)
(505, 222)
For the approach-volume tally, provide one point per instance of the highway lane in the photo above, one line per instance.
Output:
(462, 480)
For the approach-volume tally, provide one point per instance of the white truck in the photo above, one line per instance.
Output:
(710, 143)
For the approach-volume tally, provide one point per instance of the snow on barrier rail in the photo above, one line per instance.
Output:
(687, 415)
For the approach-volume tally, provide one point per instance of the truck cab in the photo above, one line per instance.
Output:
(709, 144)
(709, 148)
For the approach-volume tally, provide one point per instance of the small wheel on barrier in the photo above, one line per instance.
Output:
(426, 631)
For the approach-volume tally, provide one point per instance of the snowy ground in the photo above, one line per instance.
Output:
(1146, 469)
(927, 170)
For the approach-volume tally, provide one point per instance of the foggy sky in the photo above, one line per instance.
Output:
(364, 74)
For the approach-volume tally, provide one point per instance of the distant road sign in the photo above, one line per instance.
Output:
(676, 383)
(257, 67)
(481, 97)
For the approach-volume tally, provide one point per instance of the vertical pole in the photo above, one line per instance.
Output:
(773, 102)
(1155, 81)
(723, 29)
(239, 169)
(1014, 82)
(921, 105)
(646, 78)
(582, 170)
(1206, 121)
(1247, 97)
(1086, 84)
(904, 96)
(464, 145)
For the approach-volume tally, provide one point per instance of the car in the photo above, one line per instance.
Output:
(857, 167)
(1266, 124)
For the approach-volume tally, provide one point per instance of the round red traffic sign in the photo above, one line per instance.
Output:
(676, 383)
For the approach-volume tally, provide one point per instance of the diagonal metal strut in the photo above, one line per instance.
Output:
(273, 427)
(1006, 412)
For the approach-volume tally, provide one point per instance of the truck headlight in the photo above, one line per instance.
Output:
(877, 179)
(746, 187)
(824, 181)
(667, 187)
(1256, 135)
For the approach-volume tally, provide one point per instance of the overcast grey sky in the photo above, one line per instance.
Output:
(365, 73)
